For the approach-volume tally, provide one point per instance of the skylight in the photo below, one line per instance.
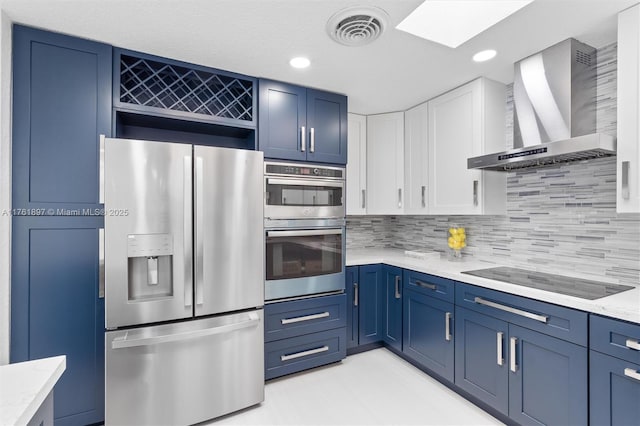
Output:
(453, 22)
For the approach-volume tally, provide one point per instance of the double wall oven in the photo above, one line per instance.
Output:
(304, 218)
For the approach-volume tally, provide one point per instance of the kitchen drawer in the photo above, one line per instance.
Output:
(303, 352)
(563, 323)
(614, 337)
(304, 316)
(430, 285)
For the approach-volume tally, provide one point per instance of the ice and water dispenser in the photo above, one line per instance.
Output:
(150, 266)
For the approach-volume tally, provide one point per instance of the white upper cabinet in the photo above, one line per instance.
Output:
(357, 165)
(628, 144)
(385, 163)
(416, 160)
(466, 122)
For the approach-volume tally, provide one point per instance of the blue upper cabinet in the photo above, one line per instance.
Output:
(302, 124)
(61, 106)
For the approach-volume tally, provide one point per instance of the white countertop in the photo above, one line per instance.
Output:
(25, 385)
(625, 305)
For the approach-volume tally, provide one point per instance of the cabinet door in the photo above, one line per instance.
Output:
(282, 118)
(392, 325)
(327, 127)
(628, 156)
(416, 159)
(454, 135)
(385, 163)
(352, 289)
(427, 333)
(549, 384)
(56, 309)
(481, 363)
(357, 165)
(61, 106)
(614, 391)
(370, 304)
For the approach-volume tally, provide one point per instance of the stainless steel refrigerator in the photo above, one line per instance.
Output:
(184, 281)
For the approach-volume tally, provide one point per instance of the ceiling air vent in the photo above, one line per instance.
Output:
(357, 26)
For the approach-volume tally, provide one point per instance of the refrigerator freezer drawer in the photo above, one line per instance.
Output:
(184, 373)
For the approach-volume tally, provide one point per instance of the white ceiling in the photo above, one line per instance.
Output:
(258, 37)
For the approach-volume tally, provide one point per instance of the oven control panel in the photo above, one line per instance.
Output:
(304, 170)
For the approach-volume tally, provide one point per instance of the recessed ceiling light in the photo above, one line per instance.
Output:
(452, 22)
(300, 62)
(484, 55)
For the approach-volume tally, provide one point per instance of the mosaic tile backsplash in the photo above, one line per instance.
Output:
(558, 219)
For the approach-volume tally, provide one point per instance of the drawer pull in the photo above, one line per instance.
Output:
(516, 311)
(304, 353)
(630, 372)
(499, 350)
(633, 344)
(426, 285)
(304, 318)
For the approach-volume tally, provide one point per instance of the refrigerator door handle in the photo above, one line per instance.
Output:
(199, 229)
(187, 236)
(124, 342)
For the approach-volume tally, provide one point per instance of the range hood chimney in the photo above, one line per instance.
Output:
(554, 114)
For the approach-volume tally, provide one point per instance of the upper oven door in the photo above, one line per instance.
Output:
(291, 198)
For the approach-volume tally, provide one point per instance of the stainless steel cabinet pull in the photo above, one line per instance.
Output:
(363, 198)
(124, 342)
(101, 171)
(198, 231)
(304, 318)
(312, 139)
(513, 342)
(187, 229)
(424, 202)
(625, 180)
(355, 294)
(447, 326)
(303, 139)
(304, 353)
(499, 350)
(475, 192)
(516, 311)
(399, 198)
(633, 344)
(630, 372)
(101, 263)
(426, 285)
(397, 289)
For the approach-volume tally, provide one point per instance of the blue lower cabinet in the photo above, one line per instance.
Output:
(303, 352)
(392, 313)
(614, 391)
(351, 289)
(427, 332)
(370, 304)
(547, 379)
(481, 362)
(57, 310)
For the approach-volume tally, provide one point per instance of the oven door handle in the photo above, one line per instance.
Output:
(301, 182)
(304, 233)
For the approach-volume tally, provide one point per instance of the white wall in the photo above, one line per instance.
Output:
(5, 185)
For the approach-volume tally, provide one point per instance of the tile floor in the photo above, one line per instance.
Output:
(371, 388)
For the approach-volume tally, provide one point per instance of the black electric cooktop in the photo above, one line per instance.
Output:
(577, 287)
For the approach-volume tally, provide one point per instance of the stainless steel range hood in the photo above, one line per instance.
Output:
(554, 98)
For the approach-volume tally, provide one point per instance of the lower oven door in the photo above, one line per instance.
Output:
(302, 262)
